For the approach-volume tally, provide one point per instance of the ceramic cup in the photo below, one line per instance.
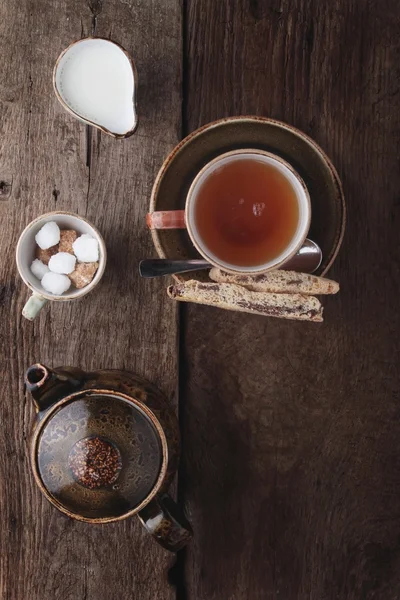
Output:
(179, 219)
(25, 255)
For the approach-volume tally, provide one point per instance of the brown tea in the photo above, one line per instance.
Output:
(246, 212)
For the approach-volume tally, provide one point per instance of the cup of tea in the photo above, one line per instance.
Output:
(246, 211)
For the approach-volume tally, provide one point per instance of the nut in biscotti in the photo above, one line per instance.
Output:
(234, 297)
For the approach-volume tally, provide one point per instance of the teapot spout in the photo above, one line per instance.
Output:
(48, 387)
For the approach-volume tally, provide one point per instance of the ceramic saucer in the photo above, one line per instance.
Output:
(201, 146)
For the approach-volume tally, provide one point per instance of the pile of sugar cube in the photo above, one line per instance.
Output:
(63, 258)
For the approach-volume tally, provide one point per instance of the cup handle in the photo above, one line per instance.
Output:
(166, 219)
(163, 518)
(33, 307)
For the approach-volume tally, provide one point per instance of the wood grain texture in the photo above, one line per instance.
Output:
(49, 161)
(290, 431)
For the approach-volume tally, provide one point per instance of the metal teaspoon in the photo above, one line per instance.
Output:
(307, 260)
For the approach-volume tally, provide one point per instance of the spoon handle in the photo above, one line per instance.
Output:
(159, 266)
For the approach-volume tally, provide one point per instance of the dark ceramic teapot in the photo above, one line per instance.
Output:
(105, 447)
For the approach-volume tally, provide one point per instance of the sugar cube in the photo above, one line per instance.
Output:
(83, 274)
(48, 235)
(67, 238)
(55, 283)
(39, 269)
(45, 255)
(86, 248)
(62, 262)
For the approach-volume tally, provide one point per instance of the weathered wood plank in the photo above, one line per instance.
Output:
(290, 431)
(125, 323)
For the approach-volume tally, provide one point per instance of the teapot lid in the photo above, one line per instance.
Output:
(99, 456)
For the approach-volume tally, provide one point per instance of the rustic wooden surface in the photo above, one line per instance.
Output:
(49, 161)
(290, 431)
(291, 453)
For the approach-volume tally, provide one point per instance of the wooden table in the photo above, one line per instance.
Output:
(290, 471)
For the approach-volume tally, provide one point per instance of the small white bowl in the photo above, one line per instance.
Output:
(25, 255)
(95, 80)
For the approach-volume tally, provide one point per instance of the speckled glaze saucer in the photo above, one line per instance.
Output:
(196, 150)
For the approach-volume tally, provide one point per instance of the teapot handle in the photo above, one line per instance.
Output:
(48, 386)
(163, 518)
